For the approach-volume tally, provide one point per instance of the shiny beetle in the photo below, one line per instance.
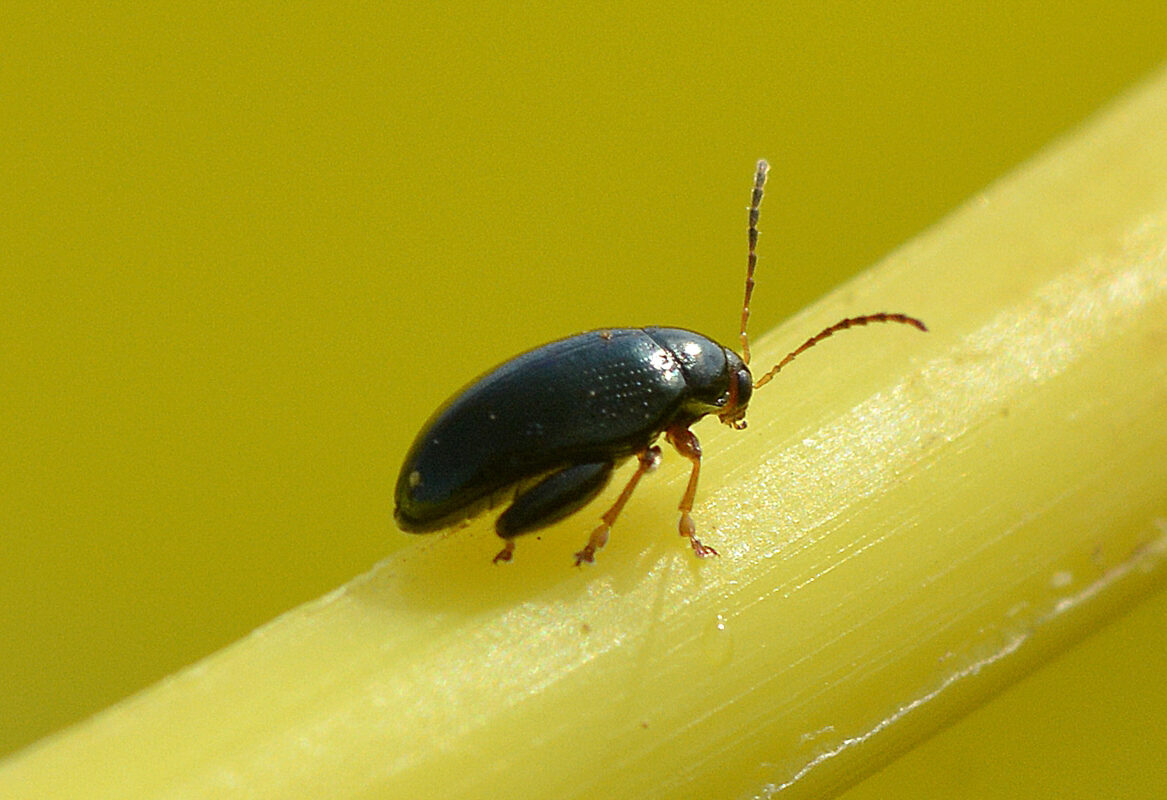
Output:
(546, 429)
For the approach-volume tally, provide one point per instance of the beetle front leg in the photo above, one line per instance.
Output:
(685, 442)
(647, 461)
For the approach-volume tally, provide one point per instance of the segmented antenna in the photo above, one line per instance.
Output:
(851, 322)
(752, 261)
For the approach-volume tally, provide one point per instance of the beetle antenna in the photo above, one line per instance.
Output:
(851, 322)
(752, 261)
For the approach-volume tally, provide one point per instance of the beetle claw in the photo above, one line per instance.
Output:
(702, 550)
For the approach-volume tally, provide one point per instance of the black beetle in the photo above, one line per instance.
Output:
(547, 428)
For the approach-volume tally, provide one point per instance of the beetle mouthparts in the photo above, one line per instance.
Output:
(735, 418)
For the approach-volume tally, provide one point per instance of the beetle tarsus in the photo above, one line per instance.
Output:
(506, 554)
(598, 539)
(689, 528)
(702, 550)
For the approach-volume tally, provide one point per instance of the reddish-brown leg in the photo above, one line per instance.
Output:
(647, 461)
(687, 445)
(507, 552)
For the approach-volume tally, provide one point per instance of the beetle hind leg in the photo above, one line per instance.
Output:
(556, 496)
(506, 554)
(648, 461)
(686, 443)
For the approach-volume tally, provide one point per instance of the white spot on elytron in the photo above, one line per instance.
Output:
(414, 479)
(692, 349)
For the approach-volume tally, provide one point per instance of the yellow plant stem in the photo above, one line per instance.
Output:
(910, 522)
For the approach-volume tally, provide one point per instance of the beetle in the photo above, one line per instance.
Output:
(546, 429)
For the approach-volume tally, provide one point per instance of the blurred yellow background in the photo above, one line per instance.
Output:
(247, 250)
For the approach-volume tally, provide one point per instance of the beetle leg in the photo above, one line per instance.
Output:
(507, 552)
(648, 460)
(685, 441)
(555, 496)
